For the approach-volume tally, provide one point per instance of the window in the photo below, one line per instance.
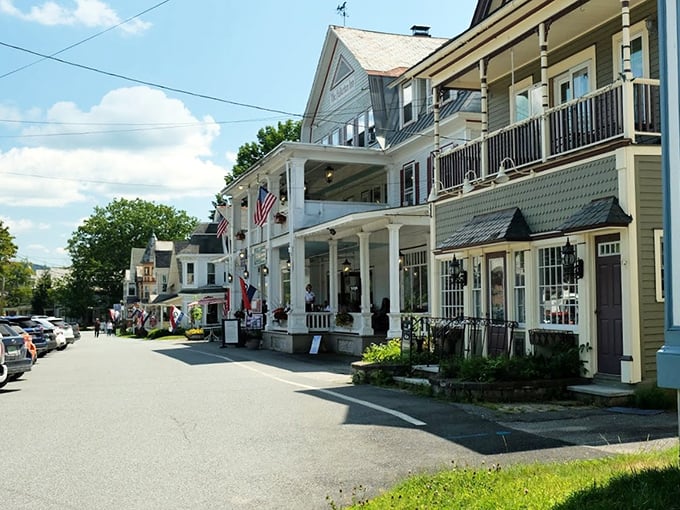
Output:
(639, 52)
(528, 103)
(520, 287)
(452, 294)
(211, 273)
(190, 273)
(349, 133)
(573, 84)
(658, 265)
(558, 301)
(164, 283)
(361, 131)
(370, 122)
(335, 137)
(476, 286)
(414, 283)
(406, 103)
(408, 185)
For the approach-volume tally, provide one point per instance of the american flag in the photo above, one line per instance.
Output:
(222, 226)
(265, 202)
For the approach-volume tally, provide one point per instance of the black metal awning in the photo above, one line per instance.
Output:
(602, 212)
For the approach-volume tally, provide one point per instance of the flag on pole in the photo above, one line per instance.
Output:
(225, 306)
(244, 294)
(222, 227)
(265, 202)
(176, 316)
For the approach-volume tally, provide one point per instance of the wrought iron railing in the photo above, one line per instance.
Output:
(444, 337)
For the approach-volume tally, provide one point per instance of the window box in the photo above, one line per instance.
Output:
(279, 218)
(240, 235)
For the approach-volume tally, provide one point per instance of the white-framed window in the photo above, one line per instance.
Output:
(190, 273)
(407, 103)
(335, 137)
(520, 287)
(575, 83)
(408, 184)
(370, 127)
(451, 294)
(414, 281)
(349, 133)
(558, 301)
(475, 279)
(639, 51)
(211, 273)
(527, 100)
(658, 265)
(361, 131)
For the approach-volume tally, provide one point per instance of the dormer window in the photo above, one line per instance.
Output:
(407, 103)
(190, 273)
(211, 273)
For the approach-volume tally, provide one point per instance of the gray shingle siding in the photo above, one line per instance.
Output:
(649, 217)
(546, 200)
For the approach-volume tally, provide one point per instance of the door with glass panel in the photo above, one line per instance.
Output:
(497, 303)
(571, 125)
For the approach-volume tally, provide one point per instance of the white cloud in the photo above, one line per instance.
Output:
(22, 225)
(141, 144)
(89, 13)
(231, 158)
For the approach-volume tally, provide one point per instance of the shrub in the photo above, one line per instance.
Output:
(389, 352)
(158, 333)
(653, 397)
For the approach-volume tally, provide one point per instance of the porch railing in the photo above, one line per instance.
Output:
(593, 119)
(462, 336)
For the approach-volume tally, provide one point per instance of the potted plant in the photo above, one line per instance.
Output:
(196, 314)
(239, 314)
(280, 314)
(279, 218)
(344, 319)
(240, 235)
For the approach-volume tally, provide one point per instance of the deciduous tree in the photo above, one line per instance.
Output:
(100, 247)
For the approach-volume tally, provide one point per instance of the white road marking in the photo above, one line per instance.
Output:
(365, 403)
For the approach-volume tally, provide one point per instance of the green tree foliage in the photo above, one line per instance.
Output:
(8, 251)
(100, 247)
(42, 294)
(268, 138)
(18, 283)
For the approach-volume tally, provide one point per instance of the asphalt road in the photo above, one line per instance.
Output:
(115, 423)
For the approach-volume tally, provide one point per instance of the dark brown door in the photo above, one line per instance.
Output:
(497, 333)
(608, 311)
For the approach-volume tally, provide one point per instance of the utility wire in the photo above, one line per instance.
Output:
(84, 40)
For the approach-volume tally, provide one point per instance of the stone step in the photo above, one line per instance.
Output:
(600, 394)
(414, 381)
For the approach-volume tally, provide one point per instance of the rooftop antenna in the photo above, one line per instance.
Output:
(342, 11)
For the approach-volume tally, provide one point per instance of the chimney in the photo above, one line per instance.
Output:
(420, 31)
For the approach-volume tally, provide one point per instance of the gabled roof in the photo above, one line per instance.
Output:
(203, 240)
(602, 212)
(504, 225)
(383, 53)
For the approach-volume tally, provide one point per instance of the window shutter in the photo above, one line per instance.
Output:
(430, 162)
(416, 183)
(401, 187)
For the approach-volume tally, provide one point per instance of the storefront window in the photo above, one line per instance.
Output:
(558, 301)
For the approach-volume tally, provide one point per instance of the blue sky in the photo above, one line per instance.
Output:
(73, 138)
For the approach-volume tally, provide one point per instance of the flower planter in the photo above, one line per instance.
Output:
(196, 337)
(279, 218)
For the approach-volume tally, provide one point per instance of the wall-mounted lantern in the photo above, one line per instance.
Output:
(230, 278)
(346, 266)
(457, 274)
(572, 266)
(329, 174)
(265, 270)
(246, 274)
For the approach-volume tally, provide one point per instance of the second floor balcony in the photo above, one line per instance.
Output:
(625, 112)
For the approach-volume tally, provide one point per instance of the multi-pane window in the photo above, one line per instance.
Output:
(451, 293)
(408, 179)
(639, 55)
(190, 273)
(414, 282)
(558, 301)
(520, 287)
(349, 133)
(528, 102)
(211, 273)
(335, 137)
(370, 123)
(476, 286)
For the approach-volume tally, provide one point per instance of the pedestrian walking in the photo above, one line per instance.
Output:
(97, 327)
(109, 327)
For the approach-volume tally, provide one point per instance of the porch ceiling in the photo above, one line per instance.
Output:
(510, 40)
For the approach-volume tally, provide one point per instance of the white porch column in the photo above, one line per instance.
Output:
(365, 275)
(545, 99)
(333, 274)
(297, 318)
(394, 315)
(628, 88)
(484, 106)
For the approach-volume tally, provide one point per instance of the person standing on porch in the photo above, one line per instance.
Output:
(309, 298)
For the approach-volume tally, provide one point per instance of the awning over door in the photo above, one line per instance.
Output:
(504, 225)
(603, 212)
(207, 300)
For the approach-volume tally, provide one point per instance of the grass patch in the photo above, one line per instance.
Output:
(649, 481)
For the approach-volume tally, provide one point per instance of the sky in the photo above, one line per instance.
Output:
(151, 99)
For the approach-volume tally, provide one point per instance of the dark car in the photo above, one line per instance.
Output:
(40, 339)
(16, 359)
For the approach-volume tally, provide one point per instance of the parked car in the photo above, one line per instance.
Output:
(38, 336)
(31, 351)
(76, 329)
(3, 366)
(65, 327)
(54, 332)
(16, 358)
